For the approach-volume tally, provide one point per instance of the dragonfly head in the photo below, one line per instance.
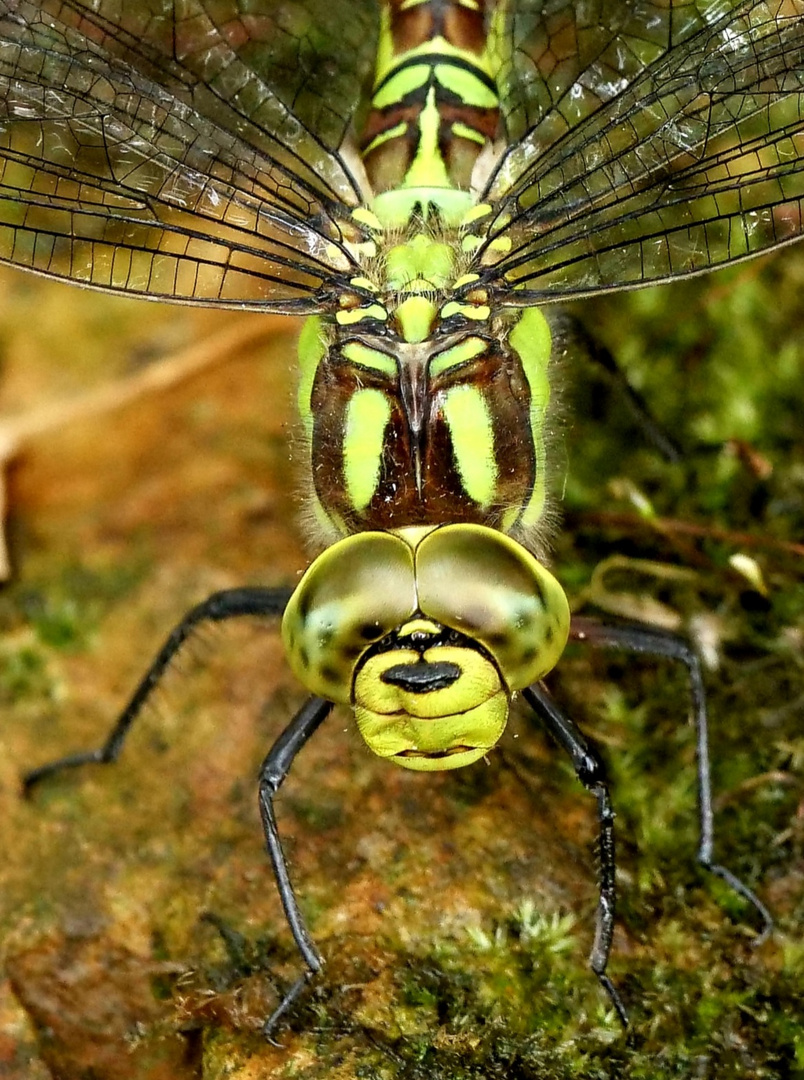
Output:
(426, 633)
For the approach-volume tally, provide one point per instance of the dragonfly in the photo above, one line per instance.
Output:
(422, 180)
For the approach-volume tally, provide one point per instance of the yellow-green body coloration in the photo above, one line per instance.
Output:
(426, 417)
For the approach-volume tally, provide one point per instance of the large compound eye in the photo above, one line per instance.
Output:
(355, 593)
(482, 583)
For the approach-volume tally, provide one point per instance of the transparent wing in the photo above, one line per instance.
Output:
(190, 150)
(657, 140)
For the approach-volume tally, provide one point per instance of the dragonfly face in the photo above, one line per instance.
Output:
(426, 633)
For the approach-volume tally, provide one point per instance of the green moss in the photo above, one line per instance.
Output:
(24, 674)
(65, 613)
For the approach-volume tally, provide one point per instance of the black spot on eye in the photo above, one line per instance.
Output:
(329, 673)
(304, 657)
(528, 655)
(304, 606)
(368, 631)
(495, 641)
(540, 593)
(549, 634)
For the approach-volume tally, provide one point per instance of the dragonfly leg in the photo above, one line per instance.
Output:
(649, 641)
(576, 334)
(227, 604)
(589, 770)
(273, 771)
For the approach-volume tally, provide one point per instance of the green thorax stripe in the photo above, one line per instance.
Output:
(435, 104)
(426, 431)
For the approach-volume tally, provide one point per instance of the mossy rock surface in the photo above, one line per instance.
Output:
(454, 910)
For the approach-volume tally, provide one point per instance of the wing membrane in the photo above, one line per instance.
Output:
(558, 62)
(156, 152)
(688, 157)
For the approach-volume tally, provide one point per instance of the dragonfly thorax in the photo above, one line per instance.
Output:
(404, 429)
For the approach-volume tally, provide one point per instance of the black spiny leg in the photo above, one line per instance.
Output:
(660, 643)
(228, 604)
(272, 774)
(589, 770)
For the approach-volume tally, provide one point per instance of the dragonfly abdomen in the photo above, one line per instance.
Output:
(435, 104)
